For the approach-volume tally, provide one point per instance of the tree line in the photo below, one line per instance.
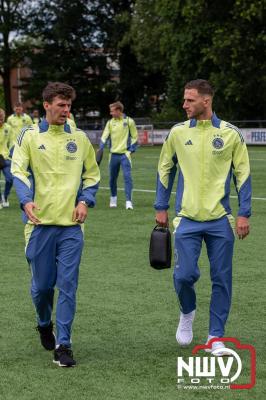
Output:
(158, 45)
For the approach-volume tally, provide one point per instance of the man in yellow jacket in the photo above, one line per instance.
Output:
(56, 178)
(208, 151)
(17, 121)
(121, 134)
(5, 138)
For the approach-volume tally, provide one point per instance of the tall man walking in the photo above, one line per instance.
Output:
(208, 151)
(121, 132)
(56, 178)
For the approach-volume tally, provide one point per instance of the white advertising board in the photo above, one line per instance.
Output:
(251, 135)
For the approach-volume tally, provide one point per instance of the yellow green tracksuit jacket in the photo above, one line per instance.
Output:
(122, 135)
(55, 167)
(36, 121)
(17, 122)
(71, 122)
(208, 154)
(5, 137)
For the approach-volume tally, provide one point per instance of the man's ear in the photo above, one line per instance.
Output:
(45, 105)
(207, 100)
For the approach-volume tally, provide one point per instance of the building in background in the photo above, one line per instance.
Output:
(16, 77)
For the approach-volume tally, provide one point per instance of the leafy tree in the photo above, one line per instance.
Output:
(136, 83)
(2, 98)
(220, 41)
(66, 48)
(240, 64)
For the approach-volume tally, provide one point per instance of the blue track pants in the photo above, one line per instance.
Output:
(8, 178)
(219, 238)
(114, 166)
(54, 254)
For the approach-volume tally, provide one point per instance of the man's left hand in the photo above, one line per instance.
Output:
(242, 227)
(99, 156)
(80, 213)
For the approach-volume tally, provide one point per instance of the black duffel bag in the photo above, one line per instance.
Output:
(160, 248)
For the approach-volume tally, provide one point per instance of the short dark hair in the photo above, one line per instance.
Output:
(202, 86)
(118, 105)
(59, 89)
(18, 104)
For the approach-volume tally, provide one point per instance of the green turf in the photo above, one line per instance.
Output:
(124, 331)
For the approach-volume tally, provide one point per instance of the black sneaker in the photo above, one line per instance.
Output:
(63, 356)
(47, 336)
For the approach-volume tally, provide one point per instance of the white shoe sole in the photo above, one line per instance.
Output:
(218, 352)
(182, 343)
(63, 365)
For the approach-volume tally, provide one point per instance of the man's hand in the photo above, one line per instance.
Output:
(28, 208)
(80, 213)
(242, 227)
(162, 218)
(99, 156)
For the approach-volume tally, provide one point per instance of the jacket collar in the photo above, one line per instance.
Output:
(214, 121)
(44, 126)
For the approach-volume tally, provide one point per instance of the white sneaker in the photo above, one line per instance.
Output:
(184, 333)
(218, 348)
(113, 201)
(1, 206)
(129, 205)
(5, 204)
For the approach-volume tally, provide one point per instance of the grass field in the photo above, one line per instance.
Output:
(124, 331)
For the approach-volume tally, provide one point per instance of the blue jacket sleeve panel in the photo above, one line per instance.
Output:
(11, 151)
(163, 193)
(242, 180)
(101, 146)
(24, 193)
(133, 147)
(244, 199)
(166, 174)
(105, 135)
(90, 178)
(133, 136)
(88, 195)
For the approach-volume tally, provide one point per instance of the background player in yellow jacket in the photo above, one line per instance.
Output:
(17, 121)
(35, 116)
(5, 138)
(56, 178)
(71, 120)
(208, 152)
(121, 134)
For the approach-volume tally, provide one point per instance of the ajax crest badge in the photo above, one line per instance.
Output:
(218, 143)
(71, 147)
